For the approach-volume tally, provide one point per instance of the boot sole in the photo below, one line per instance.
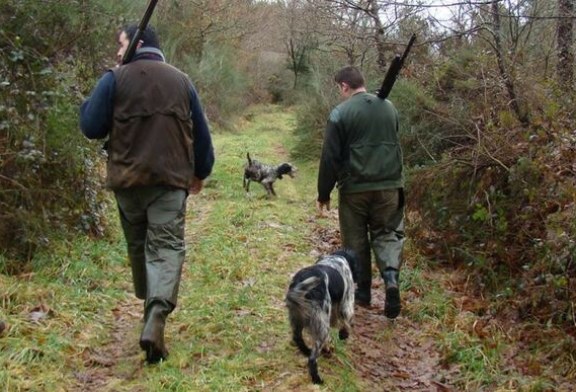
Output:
(153, 354)
(392, 305)
(362, 304)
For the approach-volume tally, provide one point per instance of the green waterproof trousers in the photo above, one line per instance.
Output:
(153, 221)
(373, 220)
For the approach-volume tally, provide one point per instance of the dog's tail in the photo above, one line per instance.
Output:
(248, 157)
(302, 293)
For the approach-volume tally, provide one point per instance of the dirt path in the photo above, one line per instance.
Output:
(387, 355)
(394, 355)
(118, 359)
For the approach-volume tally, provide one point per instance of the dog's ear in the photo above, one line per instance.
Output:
(284, 168)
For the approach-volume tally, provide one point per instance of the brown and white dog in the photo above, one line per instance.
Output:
(321, 296)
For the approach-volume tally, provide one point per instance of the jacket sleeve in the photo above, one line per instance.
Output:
(96, 112)
(203, 149)
(331, 159)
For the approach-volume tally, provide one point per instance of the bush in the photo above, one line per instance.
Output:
(48, 172)
(504, 208)
(316, 100)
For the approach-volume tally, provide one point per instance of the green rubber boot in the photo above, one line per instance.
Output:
(392, 305)
(152, 337)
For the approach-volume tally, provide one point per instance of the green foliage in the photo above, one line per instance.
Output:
(48, 170)
(494, 192)
(481, 214)
(422, 127)
(320, 97)
(510, 225)
(222, 87)
(479, 358)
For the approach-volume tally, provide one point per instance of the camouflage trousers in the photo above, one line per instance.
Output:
(153, 221)
(373, 221)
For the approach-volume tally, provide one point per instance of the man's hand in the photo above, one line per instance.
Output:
(196, 186)
(323, 205)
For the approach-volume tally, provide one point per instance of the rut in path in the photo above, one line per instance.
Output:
(394, 355)
(103, 363)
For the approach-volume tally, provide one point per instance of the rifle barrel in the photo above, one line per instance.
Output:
(138, 34)
(394, 70)
(390, 77)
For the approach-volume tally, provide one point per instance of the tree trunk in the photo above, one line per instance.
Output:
(373, 10)
(564, 40)
(504, 73)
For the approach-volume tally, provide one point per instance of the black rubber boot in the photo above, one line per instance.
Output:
(392, 305)
(152, 337)
(362, 296)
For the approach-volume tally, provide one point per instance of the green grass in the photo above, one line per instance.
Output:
(73, 322)
(229, 331)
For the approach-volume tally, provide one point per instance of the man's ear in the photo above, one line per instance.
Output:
(140, 43)
(345, 87)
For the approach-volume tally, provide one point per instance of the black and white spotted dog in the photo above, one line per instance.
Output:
(265, 174)
(321, 296)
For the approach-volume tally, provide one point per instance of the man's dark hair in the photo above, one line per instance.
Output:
(351, 76)
(149, 37)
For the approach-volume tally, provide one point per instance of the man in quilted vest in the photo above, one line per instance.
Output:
(362, 155)
(159, 151)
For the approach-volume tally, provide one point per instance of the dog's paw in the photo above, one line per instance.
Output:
(343, 334)
(327, 351)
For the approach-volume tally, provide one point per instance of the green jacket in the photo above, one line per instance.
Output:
(361, 150)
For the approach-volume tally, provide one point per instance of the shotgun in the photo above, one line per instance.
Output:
(138, 34)
(134, 43)
(394, 70)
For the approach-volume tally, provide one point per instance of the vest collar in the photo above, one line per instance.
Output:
(150, 53)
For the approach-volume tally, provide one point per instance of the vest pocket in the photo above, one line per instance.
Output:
(375, 161)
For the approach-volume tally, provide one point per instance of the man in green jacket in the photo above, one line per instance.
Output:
(361, 154)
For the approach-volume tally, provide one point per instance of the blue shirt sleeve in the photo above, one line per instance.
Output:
(203, 149)
(96, 112)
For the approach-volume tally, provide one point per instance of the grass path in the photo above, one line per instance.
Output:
(230, 330)
(71, 323)
(245, 249)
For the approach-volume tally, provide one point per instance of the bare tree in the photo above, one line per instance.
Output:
(380, 20)
(204, 22)
(502, 66)
(565, 42)
(301, 38)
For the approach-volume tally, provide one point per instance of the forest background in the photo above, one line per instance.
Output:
(486, 102)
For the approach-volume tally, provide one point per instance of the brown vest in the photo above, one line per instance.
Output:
(151, 140)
